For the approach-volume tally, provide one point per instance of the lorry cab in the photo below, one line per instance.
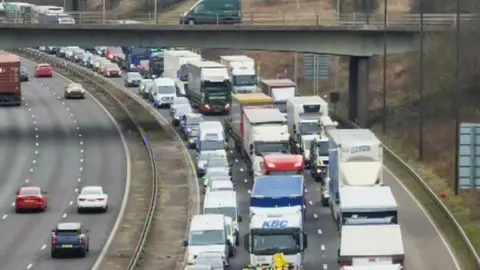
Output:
(164, 92)
(213, 12)
(385, 246)
(272, 232)
(207, 234)
(224, 203)
(367, 206)
(282, 164)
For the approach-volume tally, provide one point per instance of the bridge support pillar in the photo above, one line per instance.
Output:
(358, 90)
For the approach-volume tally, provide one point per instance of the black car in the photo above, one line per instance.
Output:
(71, 238)
(23, 74)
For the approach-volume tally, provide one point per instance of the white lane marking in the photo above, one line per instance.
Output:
(37, 144)
(241, 169)
(81, 142)
(64, 215)
(249, 191)
(43, 247)
(47, 88)
(58, 97)
(74, 121)
(79, 134)
(36, 136)
(63, 102)
(81, 150)
(319, 231)
(29, 109)
(34, 122)
(71, 114)
(81, 168)
(27, 180)
(245, 180)
(429, 218)
(236, 160)
(4, 216)
(26, 103)
(76, 190)
(81, 160)
(31, 169)
(310, 202)
(78, 128)
(322, 247)
(36, 152)
(29, 265)
(68, 109)
(13, 203)
(33, 115)
(70, 203)
(306, 190)
(79, 179)
(34, 161)
(325, 266)
(36, 128)
(315, 216)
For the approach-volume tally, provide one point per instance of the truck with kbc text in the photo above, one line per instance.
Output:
(278, 194)
(243, 75)
(272, 233)
(355, 159)
(280, 90)
(259, 132)
(10, 85)
(304, 114)
(209, 87)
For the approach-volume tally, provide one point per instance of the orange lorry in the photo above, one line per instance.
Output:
(10, 86)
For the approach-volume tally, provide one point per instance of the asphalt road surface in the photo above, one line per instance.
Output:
(424, 245)
(61, 146)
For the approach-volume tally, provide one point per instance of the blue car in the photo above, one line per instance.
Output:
(190, 122)
(23, 74)
(69, 238)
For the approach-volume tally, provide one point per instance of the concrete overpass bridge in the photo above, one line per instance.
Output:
(357, 36)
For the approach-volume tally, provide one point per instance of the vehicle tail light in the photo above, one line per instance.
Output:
(227, 106)
(54, 239)
(100, 199)
(345, 263)
(206, 106)
(82, 200)
(398, 261)
(81, 239)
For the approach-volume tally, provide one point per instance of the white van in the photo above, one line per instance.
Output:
(223, 203)
(220, 185)
(164, 92)
(211, 136)
(207, 233)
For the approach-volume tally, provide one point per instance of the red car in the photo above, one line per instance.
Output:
(30, 198)
(111, 70)
(43, 70)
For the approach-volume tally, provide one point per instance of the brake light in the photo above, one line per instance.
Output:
(343, 264)
(206, 106)
(227, 106)
(100, 199)
(54, 239)
(81, 239)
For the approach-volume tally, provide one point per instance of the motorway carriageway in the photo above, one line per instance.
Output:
(61, 146)
(425, 248)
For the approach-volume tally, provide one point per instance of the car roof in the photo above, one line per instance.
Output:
(86, 188)
(221, 183)
(69, 226)
(30, 189)
(210, 254)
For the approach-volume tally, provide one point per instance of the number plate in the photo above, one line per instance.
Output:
(91, 200)
(29, 201)
(67, 246)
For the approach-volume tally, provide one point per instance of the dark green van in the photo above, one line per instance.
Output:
(213, 12)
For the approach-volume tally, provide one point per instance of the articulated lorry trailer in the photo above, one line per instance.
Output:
(241, 69)
(355, 159)
(10, 85)
(280, 90)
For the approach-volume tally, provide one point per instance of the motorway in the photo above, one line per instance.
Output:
(61, 146)
(425, 247)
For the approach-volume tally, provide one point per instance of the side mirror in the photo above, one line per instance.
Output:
(185, 243)
(18, 192)
(305, 241)
(239, 218)
(54, 231)
(246, 242)
(44, 192)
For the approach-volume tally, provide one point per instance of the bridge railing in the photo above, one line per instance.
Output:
(287, 19)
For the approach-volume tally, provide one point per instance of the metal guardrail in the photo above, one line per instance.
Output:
(440, 205)
(100, 82)
(285, 19)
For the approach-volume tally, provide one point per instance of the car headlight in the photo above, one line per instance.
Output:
(129, 80)
(190, 140)
(189, 130)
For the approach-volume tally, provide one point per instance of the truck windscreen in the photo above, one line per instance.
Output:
(269, 244)
(226, 211)
(244, 80)
(207, 238)
(271, 147)
(310, 127)
(210, 87)
(368, 218)
(211, 145)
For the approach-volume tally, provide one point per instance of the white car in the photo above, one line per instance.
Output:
(92, 198)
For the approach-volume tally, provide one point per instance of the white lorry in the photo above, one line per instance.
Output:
(355, 159)
(265, 131)
(269, 234)
(367, 245)
(304, 114)
(280, 90)
(243, 75)
(173, 62)
(367, 205)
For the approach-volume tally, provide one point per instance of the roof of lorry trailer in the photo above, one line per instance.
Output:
(253, 99)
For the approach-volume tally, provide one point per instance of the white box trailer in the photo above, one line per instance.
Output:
(265, 131)
(173, 61)
(241, 69)
(371, 245)
(280, 90)
(367, 206)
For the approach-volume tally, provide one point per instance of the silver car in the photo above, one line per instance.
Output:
(179, 112)
(74, 90)
(214, 259)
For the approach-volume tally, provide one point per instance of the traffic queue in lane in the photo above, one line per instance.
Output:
(279, 136)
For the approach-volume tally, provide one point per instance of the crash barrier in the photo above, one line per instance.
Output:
(447, 221)
(104, 85)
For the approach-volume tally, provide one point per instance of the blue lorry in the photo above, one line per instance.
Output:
(278, 194)
(134, 56)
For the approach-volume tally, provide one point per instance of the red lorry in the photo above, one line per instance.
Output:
(10, 86)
